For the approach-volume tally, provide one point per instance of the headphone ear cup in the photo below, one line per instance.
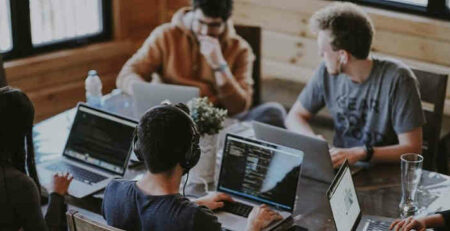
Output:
(193, 155)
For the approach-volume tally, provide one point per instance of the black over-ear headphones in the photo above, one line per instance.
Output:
(192, 156)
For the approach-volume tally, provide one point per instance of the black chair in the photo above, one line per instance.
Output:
(2, 73)
(252, 35)
(432, 91)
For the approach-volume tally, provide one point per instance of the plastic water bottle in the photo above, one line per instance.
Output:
(93, 86)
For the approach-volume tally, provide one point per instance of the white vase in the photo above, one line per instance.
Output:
(204, 171)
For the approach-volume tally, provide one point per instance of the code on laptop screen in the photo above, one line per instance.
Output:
(260, 171)
(100, 139)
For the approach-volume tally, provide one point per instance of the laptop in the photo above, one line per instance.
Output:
(345, 205)
(97, 150)
(317, 164)
(256, 172)
(147, 95)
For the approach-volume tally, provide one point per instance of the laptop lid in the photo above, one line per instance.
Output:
(260, 171)
(343, 200)
(100, 139)
(317, 164)
(147, 95)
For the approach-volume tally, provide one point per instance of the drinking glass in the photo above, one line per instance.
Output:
(411, 172)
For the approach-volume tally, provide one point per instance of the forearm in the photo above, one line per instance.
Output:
(298, 124)
(55, 217)
(232, 95)
(125, 81)
(392, 153)
(433, 221)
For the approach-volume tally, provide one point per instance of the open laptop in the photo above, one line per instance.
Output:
(147, 95)
(345, 205)
(317, 164)
(254, 172)
(97, 150)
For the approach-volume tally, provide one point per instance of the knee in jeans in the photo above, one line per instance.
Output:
(274, 108)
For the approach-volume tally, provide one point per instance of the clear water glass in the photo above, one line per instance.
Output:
(411, 172)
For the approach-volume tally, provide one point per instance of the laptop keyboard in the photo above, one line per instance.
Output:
(237, 208)
(377, 225)
(78, 173)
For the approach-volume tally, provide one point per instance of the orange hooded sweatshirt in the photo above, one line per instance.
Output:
(173, 53)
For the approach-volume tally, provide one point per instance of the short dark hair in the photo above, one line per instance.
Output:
(164, 136)
(214, 8)
(351, 28)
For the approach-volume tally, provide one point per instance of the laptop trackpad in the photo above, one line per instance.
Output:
(231, 221)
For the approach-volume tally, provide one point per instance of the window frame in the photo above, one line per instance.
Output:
(434, 9)
(22, 45)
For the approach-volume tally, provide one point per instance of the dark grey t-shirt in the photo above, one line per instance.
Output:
(372, 112)
(125, 206)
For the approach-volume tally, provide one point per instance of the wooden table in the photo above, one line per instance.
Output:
(378, 187)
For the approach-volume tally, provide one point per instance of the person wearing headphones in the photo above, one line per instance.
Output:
(20, 190)
(166, 140)
(374, 102)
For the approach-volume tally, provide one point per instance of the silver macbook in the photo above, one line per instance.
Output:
(256, 172)
(147, 95)
(317, 164)
(345, 205)
(97, 150)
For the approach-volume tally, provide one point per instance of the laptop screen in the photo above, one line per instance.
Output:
(260, 171)
(343, 200)
(100, 139)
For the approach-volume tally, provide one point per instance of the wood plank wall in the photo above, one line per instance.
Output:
(55, 81)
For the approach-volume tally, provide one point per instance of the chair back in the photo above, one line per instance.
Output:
(252, 35)
(432, 92)
(78, 222)
(2, 73)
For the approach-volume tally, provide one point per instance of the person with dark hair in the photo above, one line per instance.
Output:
(20, 190)
(167, 141)
(374, 102)
(439, 221)
(200, 48)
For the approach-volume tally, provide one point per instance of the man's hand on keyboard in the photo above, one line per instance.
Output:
(408, 224)
(60, 183)
(261, 217)
(213, 200)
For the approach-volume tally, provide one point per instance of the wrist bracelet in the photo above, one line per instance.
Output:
(369, 152)
(221, 67)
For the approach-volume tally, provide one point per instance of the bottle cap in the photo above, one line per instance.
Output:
(92, 72)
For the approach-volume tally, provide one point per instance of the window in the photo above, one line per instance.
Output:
(431, 8)
(52, 24)
(422, 3)
(5, 27)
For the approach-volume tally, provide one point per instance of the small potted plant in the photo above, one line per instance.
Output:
(209, 120)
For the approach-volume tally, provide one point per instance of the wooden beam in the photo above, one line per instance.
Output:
(58, 99)
(28, 67)
(68, 75)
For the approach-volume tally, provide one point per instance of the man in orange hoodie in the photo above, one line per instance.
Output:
(200, 48)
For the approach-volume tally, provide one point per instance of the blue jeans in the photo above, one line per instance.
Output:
(270, 113)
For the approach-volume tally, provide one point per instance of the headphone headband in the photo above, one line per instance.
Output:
(192, 156)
